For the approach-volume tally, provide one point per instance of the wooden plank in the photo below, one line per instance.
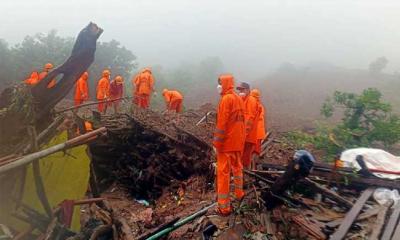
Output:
(352, 215)
(396, 234)
(363, 216)
(391, 225)
(311, 227)
(378, 225)
(343, 177)
(330, 194)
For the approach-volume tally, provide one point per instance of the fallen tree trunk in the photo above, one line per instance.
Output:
(82, 56)
(22, 105)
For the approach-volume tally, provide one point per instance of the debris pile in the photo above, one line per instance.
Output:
(316, 207)
(145, 152)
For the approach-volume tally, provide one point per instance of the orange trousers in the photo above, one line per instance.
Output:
(227, 162)
(176, 106)
(144, 101)
(102, 107)
(257, 148)
(247, 154)
(78, 102)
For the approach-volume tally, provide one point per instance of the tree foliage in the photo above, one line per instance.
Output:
(367, 121)
(18, 61)
(376, 67)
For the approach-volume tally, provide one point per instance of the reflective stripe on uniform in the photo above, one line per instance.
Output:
(224, 205)
(218, 139)
(223, 196)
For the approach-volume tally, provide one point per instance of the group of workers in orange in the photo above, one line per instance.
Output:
(238, 135)
(143, 88)
(240, 127)
(110, 93)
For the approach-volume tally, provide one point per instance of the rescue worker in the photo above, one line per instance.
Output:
(103, 91)
(144, 87)
(33, 79)
(81, 89)
(87, 127)
(116, 91)
(43, 74)
(135, 88)
(36, 77)
(173, 100)
(251, 115)
(229, 137)
(261, 134)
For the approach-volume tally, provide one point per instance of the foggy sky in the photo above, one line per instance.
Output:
(251, 37)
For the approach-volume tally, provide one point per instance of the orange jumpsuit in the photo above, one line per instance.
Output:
(145, 86)
(251, 115)
(103, 92)
(261, 133)
(261, 122)
(81, 89)
(135, 88)
(36, 77)
(33, 79)
(229, 137)
(174, 100)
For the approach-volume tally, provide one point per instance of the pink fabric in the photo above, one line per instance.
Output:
(67, 210)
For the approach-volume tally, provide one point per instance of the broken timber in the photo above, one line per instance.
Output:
(352, 215)
(344, 175)
(380, 221)
(90, 104)
(391, 225)
(328, 193)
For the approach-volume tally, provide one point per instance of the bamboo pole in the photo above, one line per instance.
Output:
(90, 104)
(181, 223)
(56, 148)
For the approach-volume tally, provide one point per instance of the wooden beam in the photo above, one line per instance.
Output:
(90, 104)
(391, 225)
(330, 194)
(396, 234)
(351, 216)
(343, 175)
(378, 225)
(252, 174)
(363, 216)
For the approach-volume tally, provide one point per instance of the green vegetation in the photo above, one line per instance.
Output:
(367, 122)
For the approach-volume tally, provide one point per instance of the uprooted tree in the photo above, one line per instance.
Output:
(23, 105)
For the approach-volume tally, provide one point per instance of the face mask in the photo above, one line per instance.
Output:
(219, 89)
(242, 94)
